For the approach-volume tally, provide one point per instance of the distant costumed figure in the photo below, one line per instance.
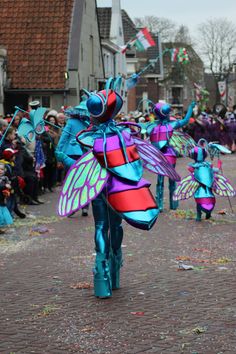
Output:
(110, 175)
(204, 180)
(165, 137)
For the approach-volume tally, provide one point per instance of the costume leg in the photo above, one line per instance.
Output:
(199, 213)
(102, 280)
(173, 203)
(160, 192)
(116, 237)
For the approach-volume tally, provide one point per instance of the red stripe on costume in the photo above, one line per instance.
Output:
(116, 157)
(111, 104)
(132, 200)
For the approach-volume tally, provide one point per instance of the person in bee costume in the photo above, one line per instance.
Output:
(204, 180)
(110, 175)
(164, 135)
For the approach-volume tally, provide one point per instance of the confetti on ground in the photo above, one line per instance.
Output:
(137, 313)
(183, 258)
(87, 329)
(183, 266)
(221, 212)
(184, 214)
(196, 330)
(48, 310)
(204, 250)
(222, 260)
(36, 221)
(40, 229)
(81, 286)
(199, 330)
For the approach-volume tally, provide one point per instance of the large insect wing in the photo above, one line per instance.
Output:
(84, 181)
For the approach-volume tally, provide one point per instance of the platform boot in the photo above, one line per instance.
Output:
(160, 192)
(116, 263)
(102, 279)
(173, 203)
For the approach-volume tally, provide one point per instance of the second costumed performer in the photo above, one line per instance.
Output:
(110, 175)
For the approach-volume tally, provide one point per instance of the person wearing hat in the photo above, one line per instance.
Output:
(77, 120)
(9, 140)
(34, 105)
(5, 188)
(9, 161)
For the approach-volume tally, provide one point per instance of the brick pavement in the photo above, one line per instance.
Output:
(158, 309)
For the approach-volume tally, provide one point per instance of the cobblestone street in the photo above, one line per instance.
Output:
(46, 294)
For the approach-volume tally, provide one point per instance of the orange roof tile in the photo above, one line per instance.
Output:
(36, 36)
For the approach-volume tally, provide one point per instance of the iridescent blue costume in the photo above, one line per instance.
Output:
(204, 181)
(110, 175)
(160, 133)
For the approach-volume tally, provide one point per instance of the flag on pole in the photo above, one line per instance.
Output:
(142, 41)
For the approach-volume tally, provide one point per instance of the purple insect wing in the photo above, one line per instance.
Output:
(222, 186)
(84, 181)
(154, 160)
(186, 188)
(180, 140)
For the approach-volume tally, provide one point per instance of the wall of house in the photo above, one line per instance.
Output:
(85, 64)
(109, 61)
(90, 59)
(3, 54)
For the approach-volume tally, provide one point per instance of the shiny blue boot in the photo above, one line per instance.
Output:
(173, 203)
(160, 192)
(102, 279)
(116, 263)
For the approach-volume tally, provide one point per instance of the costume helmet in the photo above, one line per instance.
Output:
(198, 154)
(162, 110)
(104, 105)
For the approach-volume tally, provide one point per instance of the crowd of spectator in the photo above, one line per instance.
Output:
(31, 168)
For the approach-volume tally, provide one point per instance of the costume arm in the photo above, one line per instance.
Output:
(66, 160)
(65, 137)
(181, 123)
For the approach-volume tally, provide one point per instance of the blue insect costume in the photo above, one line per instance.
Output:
(110, 175)
(77, 120)
(32, 126)
(204, 181)
(163, 136)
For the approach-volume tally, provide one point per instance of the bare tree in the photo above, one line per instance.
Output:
(218, 43)
(158, 25)
(183, 35)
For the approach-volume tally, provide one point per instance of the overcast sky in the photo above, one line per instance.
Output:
(187, 12)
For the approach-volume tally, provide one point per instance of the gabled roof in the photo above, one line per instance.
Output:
(104, 18)
(36, 36)
(128, 26)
